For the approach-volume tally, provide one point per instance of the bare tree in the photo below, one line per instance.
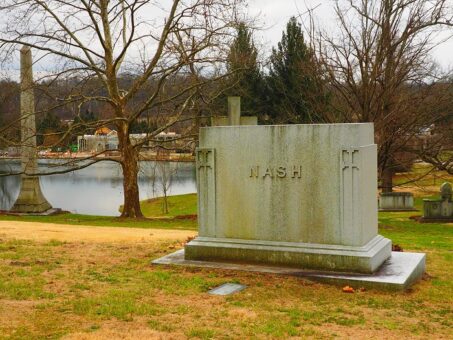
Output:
(135, 57)
(381, 71)
(438, 149)
(166, 173)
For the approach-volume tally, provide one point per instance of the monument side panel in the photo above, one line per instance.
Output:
(349, 194)
(358, 200)
(206, 187)
(368, 185)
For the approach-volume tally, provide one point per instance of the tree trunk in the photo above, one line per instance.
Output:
(165, 198)
(130, 166)
(165, 204)
(387, 180)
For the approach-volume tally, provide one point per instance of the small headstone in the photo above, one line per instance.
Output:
(439, 210)
(227, 289)
(446, 191)
(396, 201)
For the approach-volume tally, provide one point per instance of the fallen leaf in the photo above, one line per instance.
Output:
(348, 289)
(396, 247)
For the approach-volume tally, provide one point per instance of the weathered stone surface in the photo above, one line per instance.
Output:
(439, 209)
(227, 289)
(446, 191)
(49, 212)
(30, 199)
(366, 259)
(234, 111)
(396, 201)
(398, 272)
(307, 191)
(234, 117)
(225, 121)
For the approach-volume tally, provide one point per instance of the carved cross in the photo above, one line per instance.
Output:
(348, 164)
(348, 159)
(203, 159)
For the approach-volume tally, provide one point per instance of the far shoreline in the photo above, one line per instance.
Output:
(75, 156)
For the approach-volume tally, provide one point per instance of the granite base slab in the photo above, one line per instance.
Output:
(399, 272)
(364, 259)
(48, 212)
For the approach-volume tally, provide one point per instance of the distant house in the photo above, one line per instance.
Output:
(105, 139)
(102, 140)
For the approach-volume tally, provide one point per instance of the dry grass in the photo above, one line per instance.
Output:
(108, 290)
(422, 181)
(70, 233)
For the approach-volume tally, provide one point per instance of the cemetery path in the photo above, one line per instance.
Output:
(71, 233)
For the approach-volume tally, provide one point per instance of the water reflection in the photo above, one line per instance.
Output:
(98, 190)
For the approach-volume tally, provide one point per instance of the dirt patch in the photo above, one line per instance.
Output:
(71, 233)
(123, 331)
(192, 217)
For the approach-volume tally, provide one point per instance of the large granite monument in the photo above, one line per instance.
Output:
(294, 200)
(299, 195)
(31, 198)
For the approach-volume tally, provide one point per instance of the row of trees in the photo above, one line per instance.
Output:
(95, 42)
(176, 62)
(376, 68)
(288, 88)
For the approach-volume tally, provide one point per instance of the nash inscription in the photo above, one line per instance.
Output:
(294, 171)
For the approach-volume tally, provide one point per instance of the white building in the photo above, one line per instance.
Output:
(106, 139)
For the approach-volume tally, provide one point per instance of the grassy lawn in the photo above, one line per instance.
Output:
(421, 181)
(89, 290)
(178, 205)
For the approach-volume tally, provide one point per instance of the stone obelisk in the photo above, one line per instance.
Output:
(30, 199)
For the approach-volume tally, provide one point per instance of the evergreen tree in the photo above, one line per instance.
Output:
(296, 91)
(49, 125)
(246, 79)
(84, 119)
(85, 124)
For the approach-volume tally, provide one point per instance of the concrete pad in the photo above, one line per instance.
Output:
(399, 272)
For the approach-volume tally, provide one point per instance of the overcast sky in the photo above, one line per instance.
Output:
(274, 14)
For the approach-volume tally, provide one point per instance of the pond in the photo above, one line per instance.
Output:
(98, 189)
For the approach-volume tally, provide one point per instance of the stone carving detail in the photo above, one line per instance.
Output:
(350, 186)
(205, 164)
(203, 158)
